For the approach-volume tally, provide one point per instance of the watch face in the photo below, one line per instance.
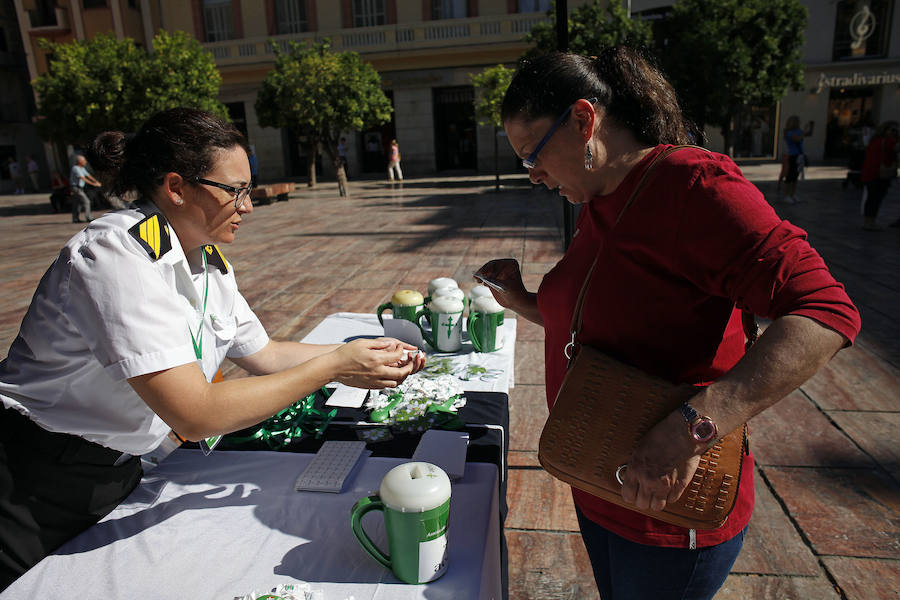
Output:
(704, 430)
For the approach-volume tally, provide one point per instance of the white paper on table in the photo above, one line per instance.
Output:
(345, 396)
(405, 331)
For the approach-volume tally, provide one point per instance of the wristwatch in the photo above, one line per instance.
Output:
(702, 428)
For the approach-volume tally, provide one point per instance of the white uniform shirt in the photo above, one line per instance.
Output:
(106, 311)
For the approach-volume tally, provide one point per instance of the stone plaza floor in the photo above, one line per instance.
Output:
(827, 518)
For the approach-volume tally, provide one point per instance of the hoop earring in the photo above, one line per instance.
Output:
(588, 158)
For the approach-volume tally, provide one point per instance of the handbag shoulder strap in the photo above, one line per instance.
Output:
(751, 328)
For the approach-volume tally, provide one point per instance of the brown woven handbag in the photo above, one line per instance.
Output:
(587, 441)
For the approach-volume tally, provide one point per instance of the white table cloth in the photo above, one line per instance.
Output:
(224, 525)
(466, 364)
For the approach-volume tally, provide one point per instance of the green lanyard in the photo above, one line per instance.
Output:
(198, 345)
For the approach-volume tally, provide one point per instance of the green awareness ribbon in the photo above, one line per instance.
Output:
(292, 423)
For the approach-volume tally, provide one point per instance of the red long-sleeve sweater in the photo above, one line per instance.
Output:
(699, 243)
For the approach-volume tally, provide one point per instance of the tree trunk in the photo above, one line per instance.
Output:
(496, 163)
(341, 177)
(312, 152)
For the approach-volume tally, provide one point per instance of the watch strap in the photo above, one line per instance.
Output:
(689, 413)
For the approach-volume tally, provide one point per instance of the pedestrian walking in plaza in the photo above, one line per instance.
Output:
(394, 162)
(793, 139)
(78, 177)
(253, 160)
(665, 265)
(128, 328)
(33, 172)
(878, 170)
(15, 173)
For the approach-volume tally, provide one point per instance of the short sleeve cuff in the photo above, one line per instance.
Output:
(151, 363)
(247, 348)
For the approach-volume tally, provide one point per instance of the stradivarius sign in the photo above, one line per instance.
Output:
(856, 79)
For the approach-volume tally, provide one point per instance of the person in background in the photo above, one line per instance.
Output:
(879, 168)
(33, 171)
(674, 270)
(80, 201)
(793, 139)
(15, 173)
(128, 328)
(394, 162)
(254, 166)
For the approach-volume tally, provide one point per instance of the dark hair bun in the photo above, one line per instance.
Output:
(107, 152)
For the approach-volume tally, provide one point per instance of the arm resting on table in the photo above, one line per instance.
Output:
(197, 409)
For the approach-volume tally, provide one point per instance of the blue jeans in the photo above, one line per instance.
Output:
(626, 570)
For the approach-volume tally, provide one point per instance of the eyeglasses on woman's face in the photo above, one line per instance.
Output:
(531, 160)
(240, 194)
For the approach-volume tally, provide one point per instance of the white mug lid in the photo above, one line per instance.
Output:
(486, 305)
(415, 487)
(448, 292)
(480, 291)
(439, 283)
(446, 305)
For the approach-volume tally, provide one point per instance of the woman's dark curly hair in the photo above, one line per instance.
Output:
(630, 89)
(178, 140)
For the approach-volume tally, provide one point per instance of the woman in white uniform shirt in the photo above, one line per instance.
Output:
(127, 329)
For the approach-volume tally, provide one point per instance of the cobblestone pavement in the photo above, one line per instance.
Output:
(827, 520)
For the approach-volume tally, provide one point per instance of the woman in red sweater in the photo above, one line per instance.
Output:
(881, 152)
(698, 244)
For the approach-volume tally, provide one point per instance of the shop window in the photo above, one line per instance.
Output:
(290, 16)
(530, 6)
(218, 20)
(449, 9)
(238, 116)
(862, 29)
(368, 13)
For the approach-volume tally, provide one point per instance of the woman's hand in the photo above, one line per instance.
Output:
(376, 364)
(503, 277)
(662, 465)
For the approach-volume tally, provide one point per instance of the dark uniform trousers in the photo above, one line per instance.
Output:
(52, 487)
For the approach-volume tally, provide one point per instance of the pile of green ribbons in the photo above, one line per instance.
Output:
(292, 423)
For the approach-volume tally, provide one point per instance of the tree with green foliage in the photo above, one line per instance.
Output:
(491, 86)
(105, 84)
(319, 94)
(722, 55)
(591, 28)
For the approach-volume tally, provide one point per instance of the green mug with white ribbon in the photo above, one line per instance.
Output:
(484, 324)
(415, 500)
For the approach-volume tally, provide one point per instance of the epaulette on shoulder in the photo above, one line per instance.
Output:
(215, 257)
(153, 235)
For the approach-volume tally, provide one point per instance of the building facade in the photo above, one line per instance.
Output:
(426, 50)
(851, 53)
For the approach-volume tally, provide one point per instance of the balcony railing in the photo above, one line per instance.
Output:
(386, 38)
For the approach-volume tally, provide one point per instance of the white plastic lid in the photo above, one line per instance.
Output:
(440, 282)
(480, 291)
(486, 305)
(415, 487)
(448, 292)
(446, 305)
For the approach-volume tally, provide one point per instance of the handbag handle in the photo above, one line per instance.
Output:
(748, 319)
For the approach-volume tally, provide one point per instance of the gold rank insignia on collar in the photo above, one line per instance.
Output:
(153, 235)
(215, 257)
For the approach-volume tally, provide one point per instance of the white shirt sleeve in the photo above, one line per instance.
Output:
(251, 336)
(118, 300)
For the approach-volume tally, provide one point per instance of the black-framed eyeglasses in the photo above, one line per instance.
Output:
(530, 162)
(240, 194)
